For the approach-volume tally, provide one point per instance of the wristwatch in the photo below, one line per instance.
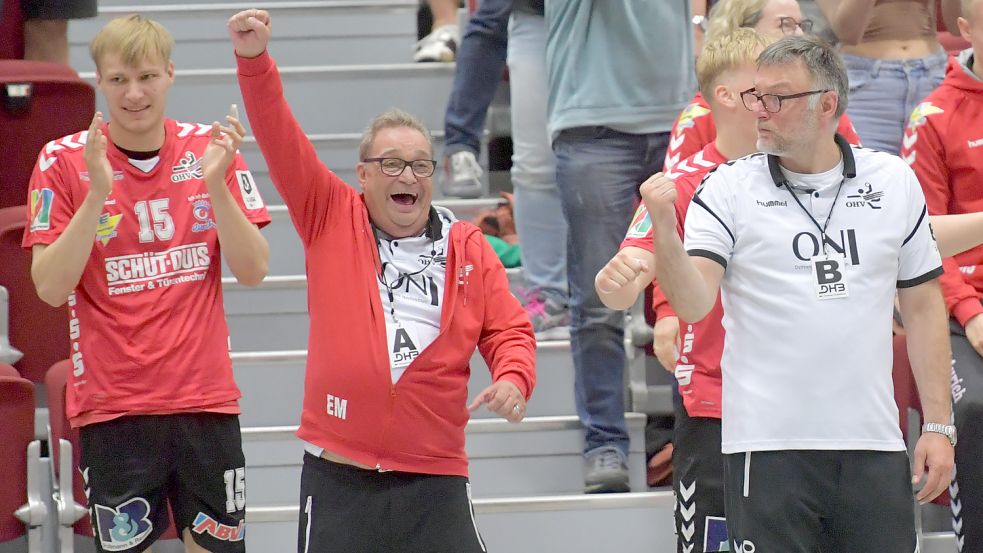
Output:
(700, 21)
(948, 430)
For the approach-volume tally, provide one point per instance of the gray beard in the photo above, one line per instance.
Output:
(772, 148)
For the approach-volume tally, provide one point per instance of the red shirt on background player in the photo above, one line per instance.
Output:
(148, 326)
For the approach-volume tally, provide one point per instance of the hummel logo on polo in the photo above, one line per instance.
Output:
(772, 203)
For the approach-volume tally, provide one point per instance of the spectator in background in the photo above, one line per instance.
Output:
(137, 258)
(538, 213)
(539, 216)
(724, 69)
(393, 329)
(892, 52)
(46, 27)
(445, 35)
(613, 93)
(777, 234)
(943, 143)
(773, 19)
(481, 60)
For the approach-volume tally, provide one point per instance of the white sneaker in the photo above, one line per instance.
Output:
(439, 45)
(462, 176)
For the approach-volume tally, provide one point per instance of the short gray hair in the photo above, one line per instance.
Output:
(822, 62)
(391, 118)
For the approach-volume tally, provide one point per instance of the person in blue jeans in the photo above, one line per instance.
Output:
(538, 214)
(894, 59)
(480, 62)
(614, 92)
(538, 211)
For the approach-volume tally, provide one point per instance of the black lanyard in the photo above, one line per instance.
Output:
(433, 232)
(822, 229)
(401, 277)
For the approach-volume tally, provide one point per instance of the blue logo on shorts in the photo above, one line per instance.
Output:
(125, 526)
(715, 535)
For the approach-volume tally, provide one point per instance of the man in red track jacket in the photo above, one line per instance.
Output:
(400, 294)
(944, 145)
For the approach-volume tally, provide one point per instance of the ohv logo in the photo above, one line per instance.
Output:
(746, 546)
(865, 196)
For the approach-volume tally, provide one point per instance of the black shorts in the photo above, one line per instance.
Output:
(133, 466)
(698, 483)
(966, 492)
(827, 501)
(343, 508)
(58, 9)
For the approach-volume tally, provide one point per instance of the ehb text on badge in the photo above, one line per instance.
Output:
(829, 277)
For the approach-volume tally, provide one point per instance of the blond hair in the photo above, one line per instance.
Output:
(389, 119)
(134, 38)
(725, 53)
(967, 7)
(726, 16)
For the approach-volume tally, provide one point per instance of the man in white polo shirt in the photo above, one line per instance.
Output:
(809, 242)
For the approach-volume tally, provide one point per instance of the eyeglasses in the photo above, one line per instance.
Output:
(772, 102)
(788, 25)
(394, 166)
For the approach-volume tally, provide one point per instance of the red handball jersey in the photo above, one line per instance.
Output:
(148, 326)
(698, 368)
(945, 149)
(694, 129)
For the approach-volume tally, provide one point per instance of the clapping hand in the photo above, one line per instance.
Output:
(222, 146)
(96, 162)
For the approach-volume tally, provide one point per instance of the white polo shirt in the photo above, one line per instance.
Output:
(802, 372)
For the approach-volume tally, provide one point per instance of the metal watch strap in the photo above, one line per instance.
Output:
(947, 430)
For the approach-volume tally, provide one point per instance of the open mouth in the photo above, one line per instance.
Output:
(404, 198)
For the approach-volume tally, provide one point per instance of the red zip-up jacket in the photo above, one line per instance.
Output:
(351, 407)
(943, 144)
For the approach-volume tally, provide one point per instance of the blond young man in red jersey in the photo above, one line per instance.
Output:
(128, 223)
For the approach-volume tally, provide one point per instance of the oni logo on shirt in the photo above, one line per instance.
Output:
(125, 526)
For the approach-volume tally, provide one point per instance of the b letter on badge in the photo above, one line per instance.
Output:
(829, 278)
